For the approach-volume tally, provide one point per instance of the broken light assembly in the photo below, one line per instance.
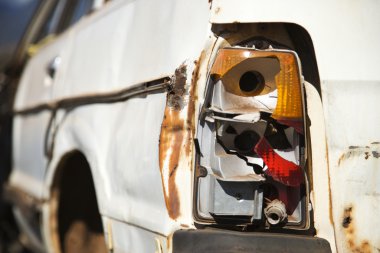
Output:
(251, 140)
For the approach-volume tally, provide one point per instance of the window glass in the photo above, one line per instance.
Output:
(64, 14)
(15, 16)
(83, 7)
(74, 10)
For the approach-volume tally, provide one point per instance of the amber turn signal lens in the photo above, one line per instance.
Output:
(250, 83)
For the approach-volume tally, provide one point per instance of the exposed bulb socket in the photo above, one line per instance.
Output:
(251, 81)
(246, 141)
(275, 212)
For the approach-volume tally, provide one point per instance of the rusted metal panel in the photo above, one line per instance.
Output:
(177, 134)
(353, 143)
(353, 244)
(174, 137)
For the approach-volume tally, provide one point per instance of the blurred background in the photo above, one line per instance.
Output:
(15, 16)
(25, 26)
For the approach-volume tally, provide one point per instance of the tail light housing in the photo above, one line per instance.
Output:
(251, 140)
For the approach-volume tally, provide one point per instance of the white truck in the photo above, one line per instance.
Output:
(202, 126)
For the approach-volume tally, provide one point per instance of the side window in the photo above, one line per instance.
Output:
(63, 14)
(73, 11)
(50, 24)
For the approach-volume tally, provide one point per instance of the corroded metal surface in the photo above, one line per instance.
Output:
(353, 244)
(356, 151)
(172, 140)
(175, 137)
(177, 132)
(360, 174)
(353, 152)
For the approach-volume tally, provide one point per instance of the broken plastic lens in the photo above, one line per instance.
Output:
(247, 72)
(279, 168)
(252, 73)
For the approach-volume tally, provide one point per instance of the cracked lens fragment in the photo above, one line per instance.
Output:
(279, 168)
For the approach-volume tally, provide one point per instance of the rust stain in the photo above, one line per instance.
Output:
(348, 224)
(169, 242)
(172, 140)
(176, 137)
(347, 217)
(178, 95)
(193, 95)
(331, 217)
(356, 151)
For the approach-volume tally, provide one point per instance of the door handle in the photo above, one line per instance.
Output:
(53, 66)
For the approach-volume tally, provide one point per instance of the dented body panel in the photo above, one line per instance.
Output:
(143, 150)
(131, 187)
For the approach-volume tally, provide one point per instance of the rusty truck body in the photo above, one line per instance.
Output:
(202, 126)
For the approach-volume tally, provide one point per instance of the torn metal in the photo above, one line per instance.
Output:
(176, 137)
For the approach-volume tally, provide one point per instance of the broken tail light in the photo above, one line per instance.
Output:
(251, 135)
(253, 73)
(281, 72)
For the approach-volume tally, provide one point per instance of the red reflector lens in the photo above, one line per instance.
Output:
(279, 168)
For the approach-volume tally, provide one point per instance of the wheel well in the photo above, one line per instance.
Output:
(75, 220)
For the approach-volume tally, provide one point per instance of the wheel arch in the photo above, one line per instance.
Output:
(72, 198)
